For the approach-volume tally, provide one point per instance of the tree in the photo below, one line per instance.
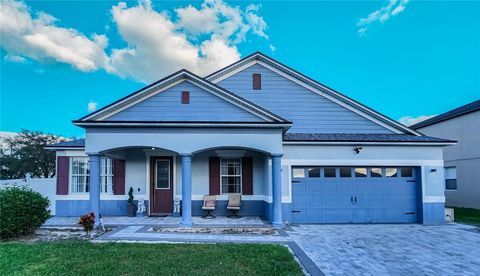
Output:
(28, 155)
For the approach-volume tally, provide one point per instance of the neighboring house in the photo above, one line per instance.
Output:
(297, 151)
(462, 161)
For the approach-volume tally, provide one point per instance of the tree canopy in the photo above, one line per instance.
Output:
(26, 154)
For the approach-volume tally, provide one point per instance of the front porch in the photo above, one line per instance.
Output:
(166, 165)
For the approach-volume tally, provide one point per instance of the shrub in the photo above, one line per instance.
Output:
(88, 221)
(21, 211)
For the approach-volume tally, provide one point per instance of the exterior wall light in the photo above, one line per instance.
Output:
(357, 149)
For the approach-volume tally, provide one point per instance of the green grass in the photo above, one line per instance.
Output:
(467, 215)
(85, 258)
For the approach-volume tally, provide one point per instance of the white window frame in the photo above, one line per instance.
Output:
(71, 175)
(230, 175)
(104, 174)
(451, 178)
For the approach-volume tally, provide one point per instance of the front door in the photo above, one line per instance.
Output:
(161, 183)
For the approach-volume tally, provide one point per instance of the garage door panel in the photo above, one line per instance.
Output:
(345, 216)
(323, 199)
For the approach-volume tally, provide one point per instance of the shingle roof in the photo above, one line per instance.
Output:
(356, 137)
(462, 110)
(80, 143)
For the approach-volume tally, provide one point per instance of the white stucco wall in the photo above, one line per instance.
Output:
(465, 156)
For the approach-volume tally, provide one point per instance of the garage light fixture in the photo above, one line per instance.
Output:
(357, 149)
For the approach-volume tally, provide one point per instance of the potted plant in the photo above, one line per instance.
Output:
(131, 209)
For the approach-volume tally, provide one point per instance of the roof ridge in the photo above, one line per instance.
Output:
(453, 113)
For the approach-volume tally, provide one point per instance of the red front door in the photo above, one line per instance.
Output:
(161, 183)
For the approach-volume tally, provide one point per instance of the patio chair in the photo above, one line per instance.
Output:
(209, 202)
(234, 203)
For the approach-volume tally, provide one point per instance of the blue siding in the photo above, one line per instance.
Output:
(433, 213)
(167, 106)
(249, 208)
(73, 208)
(308, 111)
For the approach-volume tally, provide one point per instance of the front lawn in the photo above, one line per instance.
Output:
(467, 215)
(85, 258)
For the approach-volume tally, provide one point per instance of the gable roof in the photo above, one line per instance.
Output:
(312, 85)
(183, 75)
(459, 111)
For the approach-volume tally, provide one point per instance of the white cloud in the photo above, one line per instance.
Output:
(40, 39)
(409, 120)
(14, 58)
(392, 8)
(200, 39)
(92, 106)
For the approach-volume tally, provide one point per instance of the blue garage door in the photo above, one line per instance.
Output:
(354, 195)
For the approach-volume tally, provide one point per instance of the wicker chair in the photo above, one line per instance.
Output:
(234, 203)
(209, 203)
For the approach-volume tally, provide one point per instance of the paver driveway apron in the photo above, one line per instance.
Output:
(391, 249)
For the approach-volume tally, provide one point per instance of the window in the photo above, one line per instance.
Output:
(80, 175)
(106, 175)
(391, 172)
(376, 172)
(80, 171)
(360, 172)
(451, 178)
(162, 180)
(298, 173)
(231, 176)
(314, 172)
(185, 97)
(329, 172)
(407, 172)
(257, 81)
(345, 172)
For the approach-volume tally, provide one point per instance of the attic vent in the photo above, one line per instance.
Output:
(257, 82)
(185, 97)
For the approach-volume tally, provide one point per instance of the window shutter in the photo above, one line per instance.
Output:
(247, 175)
(118, 177)
(257, 81)
(214, 172)
(62, 175)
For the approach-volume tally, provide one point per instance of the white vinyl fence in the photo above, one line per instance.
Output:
(45, 186)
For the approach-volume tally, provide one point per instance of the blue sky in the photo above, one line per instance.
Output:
(402, 58)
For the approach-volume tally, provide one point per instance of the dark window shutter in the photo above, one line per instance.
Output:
(118, 177)
(257, 82)
(185, 97)
(62, 175)
(214, 172)
(247, 175)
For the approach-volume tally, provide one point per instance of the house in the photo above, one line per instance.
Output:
(297, 150)
(462, 161)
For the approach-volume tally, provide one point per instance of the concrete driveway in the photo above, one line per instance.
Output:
(391, 249)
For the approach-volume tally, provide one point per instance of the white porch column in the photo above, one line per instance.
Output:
(277, 220)
(186, 189)
(94, 194)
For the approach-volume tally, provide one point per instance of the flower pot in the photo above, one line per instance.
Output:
(131, 210)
